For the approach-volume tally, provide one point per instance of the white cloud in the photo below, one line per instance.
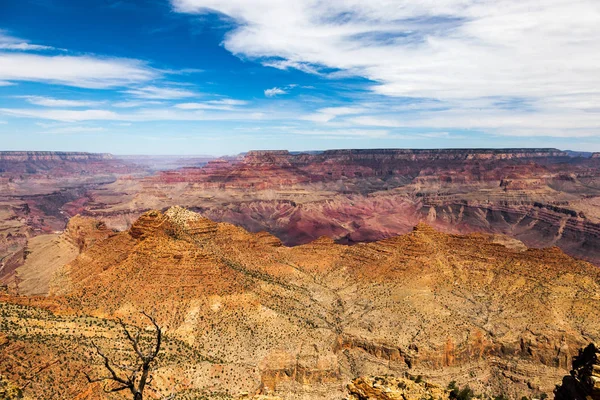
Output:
(160, 93)
(51, 102)
(136, 103)
(274, 92)
(287, 64)
(79, 71)
(24, 47)
(376, 121)
(329, 113)
(8, 42)
(457, 51)
(62, 115)
(543, 122)
(222, 104)
(4, 83)
(149, 114)
(229, 102)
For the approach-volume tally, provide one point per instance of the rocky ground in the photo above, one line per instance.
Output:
(302, 322)
(543, 197)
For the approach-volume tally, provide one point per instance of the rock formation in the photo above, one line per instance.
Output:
(543, 197)
(583, 383)
(301, 322)
(391, 388)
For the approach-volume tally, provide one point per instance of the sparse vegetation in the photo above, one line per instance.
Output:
(136, 375)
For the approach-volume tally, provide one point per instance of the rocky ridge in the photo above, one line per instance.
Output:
(20, 156)
(583, 383)
(543, 197)
(304, 321)
(392, 388)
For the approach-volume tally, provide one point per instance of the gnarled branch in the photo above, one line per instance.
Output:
(132, 382)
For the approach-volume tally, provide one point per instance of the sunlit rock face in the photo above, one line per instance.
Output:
(306, 320)
(583, 382)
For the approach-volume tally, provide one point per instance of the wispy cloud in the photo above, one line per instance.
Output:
(543, 56)
(222, 104)
(62, 115)
(52, 102)
(136, 103)
(149, 114)
(8, 42)
(287, 64)
(329, 113)
(274, 92)
(24, 47)
(351, 133)
(78, 71)
(160, 93)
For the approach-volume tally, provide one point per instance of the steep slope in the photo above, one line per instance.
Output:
(544, 197)
(39, 192)
(303, 321)
(43, 255)
(583, 383)
(389, 388)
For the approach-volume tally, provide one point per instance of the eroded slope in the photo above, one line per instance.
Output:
(476, 309)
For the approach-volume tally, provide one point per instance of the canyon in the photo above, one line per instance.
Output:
(245, 314)
(542, 197)
(292, 274)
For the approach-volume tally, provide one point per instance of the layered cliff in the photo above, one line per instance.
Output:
(22, 156)
(391, 388)
(541, 196)
(583, 383)
(306, 320)
(13, 164)
(264, 169)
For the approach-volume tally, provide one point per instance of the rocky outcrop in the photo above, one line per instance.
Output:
(22, 156)
(312, 317)
(583, 383)
(8, 390)
(391, 388)
(543, 197)
(14, 164)
(268, 169)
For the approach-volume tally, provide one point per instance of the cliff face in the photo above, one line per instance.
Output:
(583, 383)
(267, 169)
(311, 318)
(39, 192)
(56, 163)
(540, 196)
(390, 388)
(22, 156)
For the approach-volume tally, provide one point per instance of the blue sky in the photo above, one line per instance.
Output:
(226, 76)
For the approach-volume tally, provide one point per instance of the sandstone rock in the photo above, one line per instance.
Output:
(8, 390)
(311, 317)
(583, 383)
(246, 396)
(391, 388)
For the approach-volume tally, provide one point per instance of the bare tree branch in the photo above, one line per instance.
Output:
(114, 375)
(136, 386)
(134, 342)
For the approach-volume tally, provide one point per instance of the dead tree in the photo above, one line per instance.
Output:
(138, 374)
